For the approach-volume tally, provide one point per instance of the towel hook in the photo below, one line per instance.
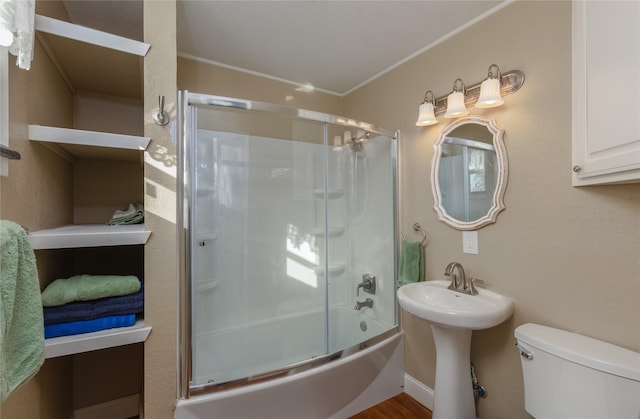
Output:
(418, 228)
(161, 117)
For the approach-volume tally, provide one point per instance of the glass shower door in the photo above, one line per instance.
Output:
(258, 288)
(288, 213)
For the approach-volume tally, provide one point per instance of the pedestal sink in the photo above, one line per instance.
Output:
(454, 316)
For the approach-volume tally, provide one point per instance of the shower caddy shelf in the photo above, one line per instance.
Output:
(333, 231)
(331, 193)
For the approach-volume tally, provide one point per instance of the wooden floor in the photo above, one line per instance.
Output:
(402, 406)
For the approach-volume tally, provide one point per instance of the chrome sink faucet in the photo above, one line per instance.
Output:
(459, 280)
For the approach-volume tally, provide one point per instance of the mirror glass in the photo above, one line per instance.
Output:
(469, 173)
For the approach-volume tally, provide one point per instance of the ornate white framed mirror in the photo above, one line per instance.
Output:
(469, 173)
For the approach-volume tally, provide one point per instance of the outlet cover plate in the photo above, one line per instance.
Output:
(470, 242)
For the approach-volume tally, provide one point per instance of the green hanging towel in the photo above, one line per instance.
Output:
(21, 319)
(411, 263)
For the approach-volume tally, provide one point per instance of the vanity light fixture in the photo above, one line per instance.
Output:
(455, 101)
(490, 89)
(474, 95)
(426, 115)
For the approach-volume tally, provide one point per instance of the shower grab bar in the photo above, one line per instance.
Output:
(418, 228)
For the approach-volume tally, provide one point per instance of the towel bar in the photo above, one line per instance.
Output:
(418, 228)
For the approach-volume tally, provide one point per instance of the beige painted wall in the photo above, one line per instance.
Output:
(160, 383)
(569, 257)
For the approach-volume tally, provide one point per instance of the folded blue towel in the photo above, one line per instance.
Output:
(87, 326)
(89, 310)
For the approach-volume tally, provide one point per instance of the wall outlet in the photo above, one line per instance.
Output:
(470, 242)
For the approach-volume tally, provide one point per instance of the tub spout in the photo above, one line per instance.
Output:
(366, 303)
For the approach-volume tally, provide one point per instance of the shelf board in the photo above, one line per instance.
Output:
(74, 344)
(89, 235)
(88, 138)
(90, 36)
(84, 144)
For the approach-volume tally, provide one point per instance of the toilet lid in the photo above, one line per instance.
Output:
(582, 350)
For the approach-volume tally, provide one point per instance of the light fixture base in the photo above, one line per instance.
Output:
(512, 81)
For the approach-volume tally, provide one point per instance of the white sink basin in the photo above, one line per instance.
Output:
(431, 300)
(453, 316)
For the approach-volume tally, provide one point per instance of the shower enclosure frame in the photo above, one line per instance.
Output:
(186, 124)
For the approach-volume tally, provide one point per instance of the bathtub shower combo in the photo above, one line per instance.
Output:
(288, 305)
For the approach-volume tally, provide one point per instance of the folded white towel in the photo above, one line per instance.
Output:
(126, 213)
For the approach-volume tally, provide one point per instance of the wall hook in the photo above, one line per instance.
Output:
(161, 117)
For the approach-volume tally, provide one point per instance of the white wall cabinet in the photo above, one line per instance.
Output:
(606, 92)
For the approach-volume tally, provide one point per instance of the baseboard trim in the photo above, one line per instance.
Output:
(419, 391)
(122, 408)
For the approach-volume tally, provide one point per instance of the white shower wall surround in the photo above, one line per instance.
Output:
(273, 219)
(281, 228)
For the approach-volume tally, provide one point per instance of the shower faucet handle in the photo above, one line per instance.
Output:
(368, 284)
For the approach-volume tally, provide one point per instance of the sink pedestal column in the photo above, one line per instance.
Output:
(454, 390)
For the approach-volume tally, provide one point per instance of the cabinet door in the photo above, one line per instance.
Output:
(606, 92)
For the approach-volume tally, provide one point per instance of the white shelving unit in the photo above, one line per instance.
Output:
(74, 144)
(69, 345)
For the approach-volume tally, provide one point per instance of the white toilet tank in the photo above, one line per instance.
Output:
(571, 376)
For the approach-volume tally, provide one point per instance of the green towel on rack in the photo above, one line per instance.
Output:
(21, 322)
(411, 263)
(88, 287)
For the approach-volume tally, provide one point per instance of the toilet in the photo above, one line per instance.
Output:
(570, 376)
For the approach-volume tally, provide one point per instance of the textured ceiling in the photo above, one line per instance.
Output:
(332, 46)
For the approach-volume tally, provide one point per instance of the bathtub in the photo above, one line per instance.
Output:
(353, 380)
